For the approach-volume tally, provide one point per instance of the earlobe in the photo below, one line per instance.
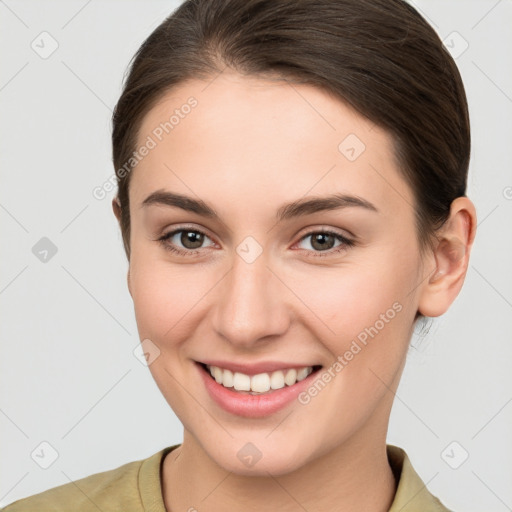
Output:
(116, 207)
(451, 255)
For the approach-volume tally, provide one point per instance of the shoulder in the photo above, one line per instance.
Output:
(412, 494)
(116, 489)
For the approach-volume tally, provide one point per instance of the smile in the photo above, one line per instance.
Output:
(260, 383)
(257, 393)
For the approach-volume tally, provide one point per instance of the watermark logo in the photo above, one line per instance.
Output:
(455, 44)
(44, 455)
(44, 45)
(44, 250)
(146, 352)
(343, 360)
(249, 249)
(151, 142)
(249, 455)
(455, 455)
(351, 147)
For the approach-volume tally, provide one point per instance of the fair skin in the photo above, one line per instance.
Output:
(250, 146)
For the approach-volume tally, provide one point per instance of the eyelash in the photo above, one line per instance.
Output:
(345, 243)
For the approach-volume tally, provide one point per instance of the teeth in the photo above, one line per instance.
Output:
(241, 382)
(291, 377)
(227, 378)
(277, 380)
(302, 373)
(217, 374)
(261, 383)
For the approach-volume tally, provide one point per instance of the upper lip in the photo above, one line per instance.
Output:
(255, 368)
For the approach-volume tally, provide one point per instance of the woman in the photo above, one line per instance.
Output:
(291, 195)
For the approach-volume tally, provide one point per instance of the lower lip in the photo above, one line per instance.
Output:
(253, 406)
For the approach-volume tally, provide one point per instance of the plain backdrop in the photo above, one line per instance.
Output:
(69, 376)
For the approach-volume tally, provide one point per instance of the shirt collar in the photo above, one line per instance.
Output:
(411, 494)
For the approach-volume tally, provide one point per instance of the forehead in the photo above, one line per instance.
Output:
(264, 138)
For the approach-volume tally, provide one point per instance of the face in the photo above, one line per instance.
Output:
(233, 277)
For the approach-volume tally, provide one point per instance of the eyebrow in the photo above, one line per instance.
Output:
(298, 208)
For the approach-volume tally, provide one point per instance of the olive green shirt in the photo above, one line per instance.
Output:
(137, 487)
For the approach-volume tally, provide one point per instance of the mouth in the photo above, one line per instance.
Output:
(247, 391)
(264, 383)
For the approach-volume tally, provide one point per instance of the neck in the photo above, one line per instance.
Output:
(356, 475)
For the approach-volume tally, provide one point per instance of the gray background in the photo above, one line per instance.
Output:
(69, 374)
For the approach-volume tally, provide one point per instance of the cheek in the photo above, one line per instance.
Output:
(367, 313)
(167, 297)
(353, 297)
(367, 323)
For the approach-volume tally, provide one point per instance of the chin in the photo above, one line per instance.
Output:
(248, 456)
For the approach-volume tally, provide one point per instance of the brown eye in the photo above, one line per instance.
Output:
(191, 239)
(326, 243)
(185, 242)
(322, 241)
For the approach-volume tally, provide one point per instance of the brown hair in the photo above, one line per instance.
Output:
(379, 56)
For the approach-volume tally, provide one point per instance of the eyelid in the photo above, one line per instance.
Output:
(347, 241)
(185, 227)
(165, 236)
(323, 228)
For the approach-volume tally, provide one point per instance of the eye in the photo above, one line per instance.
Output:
(190, 239)
(188, 242)
(323, 242)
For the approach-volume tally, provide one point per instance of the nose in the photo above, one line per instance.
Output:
(252, 305)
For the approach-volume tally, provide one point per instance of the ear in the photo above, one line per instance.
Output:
(451, 255)
(116, 207)
(128, 281)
